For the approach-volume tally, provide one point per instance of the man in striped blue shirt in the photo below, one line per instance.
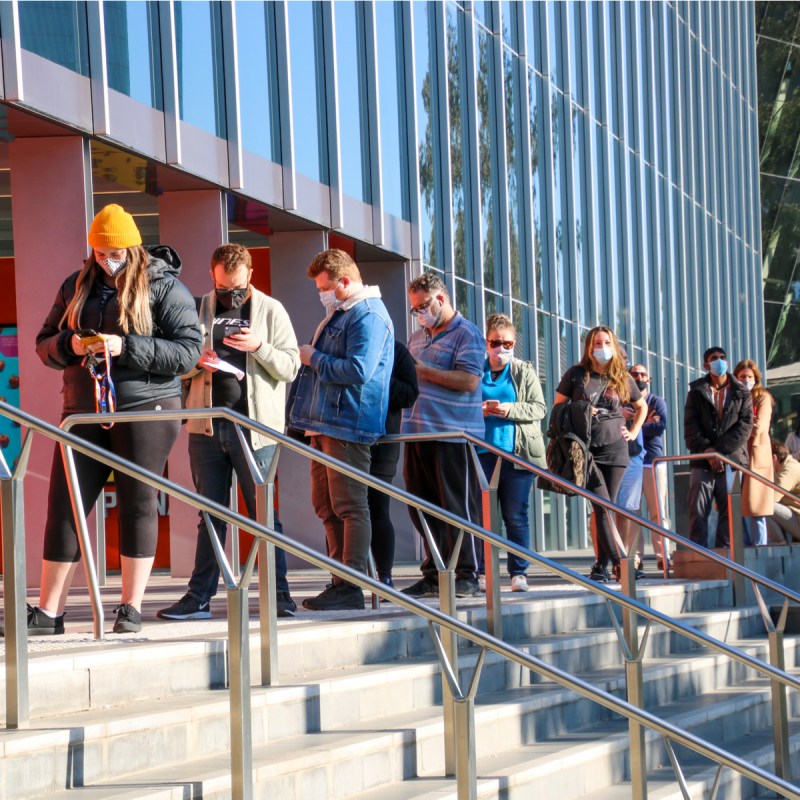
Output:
(449, 352)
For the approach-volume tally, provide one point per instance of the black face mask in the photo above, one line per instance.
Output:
(642, 385)
(232, 298)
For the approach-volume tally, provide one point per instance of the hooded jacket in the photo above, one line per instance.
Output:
(703, 429)
(149, 367)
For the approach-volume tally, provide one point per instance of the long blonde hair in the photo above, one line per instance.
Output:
(617, 372)
(133, 287)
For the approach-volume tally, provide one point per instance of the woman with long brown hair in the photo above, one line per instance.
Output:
(123, 329)
(757, 497)
(601, 378)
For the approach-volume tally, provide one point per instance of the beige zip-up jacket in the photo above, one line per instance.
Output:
(269, 368)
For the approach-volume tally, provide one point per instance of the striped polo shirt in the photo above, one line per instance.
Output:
(462, 347)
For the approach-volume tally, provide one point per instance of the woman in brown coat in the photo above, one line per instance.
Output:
(757, 497)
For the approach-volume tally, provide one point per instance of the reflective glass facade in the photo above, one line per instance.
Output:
(568, 163)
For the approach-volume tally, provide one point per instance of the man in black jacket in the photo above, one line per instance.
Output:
(718, 418)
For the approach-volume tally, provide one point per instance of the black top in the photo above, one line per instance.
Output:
(227, 390)
(607, 442)
(149, 367)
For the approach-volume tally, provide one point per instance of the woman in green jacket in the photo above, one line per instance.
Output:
(513, 404)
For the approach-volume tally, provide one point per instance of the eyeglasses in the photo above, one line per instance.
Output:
(230, 290)
(507, 345)
(638, 374)
(422, 306)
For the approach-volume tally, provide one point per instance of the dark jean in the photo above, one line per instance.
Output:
(213, 460)
(513, 495)
(708, 491)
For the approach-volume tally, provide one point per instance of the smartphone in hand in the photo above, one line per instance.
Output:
(88, 336)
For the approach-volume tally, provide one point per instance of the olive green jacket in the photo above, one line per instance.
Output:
(526, 412)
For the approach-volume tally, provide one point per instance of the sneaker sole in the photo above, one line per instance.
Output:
(126, 628)
(286, 612)
(520, 589)
(195, 615)
(334, 607)
(45, 631)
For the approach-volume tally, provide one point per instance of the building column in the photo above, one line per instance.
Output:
(194, 223)
(51, 212)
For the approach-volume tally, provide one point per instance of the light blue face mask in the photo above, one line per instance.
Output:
(718, 367)
(602, 355)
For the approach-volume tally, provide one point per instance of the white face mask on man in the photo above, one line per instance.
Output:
(428, 319)
(329, 300)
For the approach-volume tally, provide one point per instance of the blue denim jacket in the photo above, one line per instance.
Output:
(344, 393)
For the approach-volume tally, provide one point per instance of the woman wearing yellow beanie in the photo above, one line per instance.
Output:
(148, 331)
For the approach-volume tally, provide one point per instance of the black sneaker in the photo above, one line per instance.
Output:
(39, 624)
(599, 574)
(129, 620)
(467, 587)
(188, 607)
(286, 606)
(336, 597)
(424, 587)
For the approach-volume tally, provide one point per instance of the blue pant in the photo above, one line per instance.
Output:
(213, 460)
(513, 494)
(755, 530)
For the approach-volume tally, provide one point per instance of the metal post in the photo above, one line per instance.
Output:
(447, 605)
(100, 544)
(84, 541)
(235, 557)
(736, 533)
(491, 556)
(241, 724)
(14, 584)
(267, 603)
(634, 679)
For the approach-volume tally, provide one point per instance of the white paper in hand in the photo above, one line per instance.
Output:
(222, 366)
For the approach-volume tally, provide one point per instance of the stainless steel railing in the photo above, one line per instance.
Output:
(462, 738)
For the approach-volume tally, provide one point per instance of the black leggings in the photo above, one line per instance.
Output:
(146, 444)
(604, 480)
(383, 465)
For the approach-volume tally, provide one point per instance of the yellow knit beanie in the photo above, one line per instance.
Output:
(113, 227)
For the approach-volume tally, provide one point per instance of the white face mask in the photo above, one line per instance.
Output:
(111, 266)
(602, 355)
(501, 354)
(749, 384)
(428, 319)
(329, 300)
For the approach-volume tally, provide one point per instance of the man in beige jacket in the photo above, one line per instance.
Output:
(786, 516)
(244, 329)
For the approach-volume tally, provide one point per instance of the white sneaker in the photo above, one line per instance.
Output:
(482, 583)
(519, 583)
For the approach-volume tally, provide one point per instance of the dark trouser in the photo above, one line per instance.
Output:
(604, 480)
(146, 444)
(442, 473)
(213, 460)
(383, 465)
(341, 502)
(513, 494)
(707, 487)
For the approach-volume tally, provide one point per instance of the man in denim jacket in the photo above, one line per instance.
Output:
(340, 400)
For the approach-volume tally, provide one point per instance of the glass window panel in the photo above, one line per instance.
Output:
(308, 90)
(613, 54)
(560, 219)
(465, 298)
(257, 70)
(554, 43)
(576, 11)
(532, 26)
(523, 317)
(482, 11)
(391, 75)
(699, 98)
(534, 87)
(352, 95)
(509, 23)
(516, 230)
(133, 26)
(601, 224)
(483, 44)
(615, 312)
(56, 31)
(426, 145)
(492, 303)
(594, 50)
(646, 84)
(579, 167)
(200, 69)
(455, 82)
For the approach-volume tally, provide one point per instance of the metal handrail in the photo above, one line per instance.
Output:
(670, 732)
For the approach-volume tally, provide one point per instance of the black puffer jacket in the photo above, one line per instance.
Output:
(703, 429)
(149, 367)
